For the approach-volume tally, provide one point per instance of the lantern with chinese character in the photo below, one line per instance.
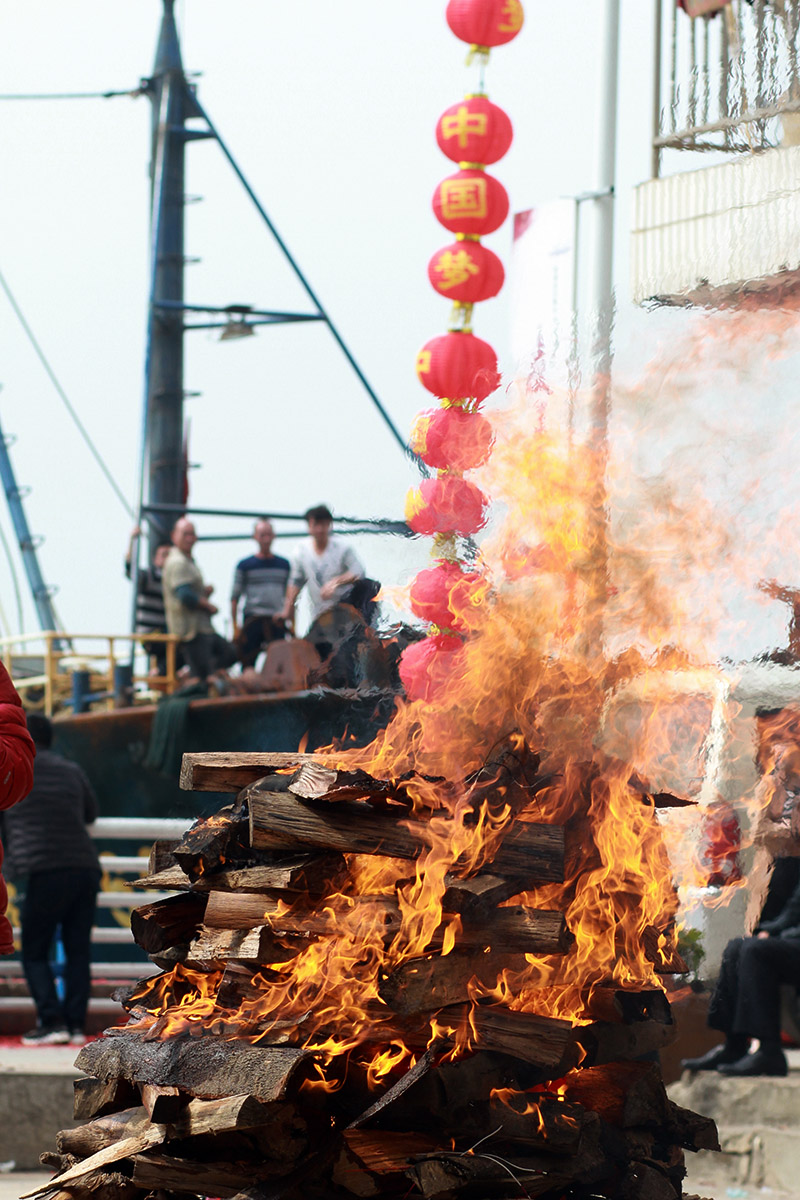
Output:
(458, 366)
(474, 131)
(441, 593)
(427, 667)
(485, 22)
(451, 437)
(466, 272)
(471, 202)
(447, 504)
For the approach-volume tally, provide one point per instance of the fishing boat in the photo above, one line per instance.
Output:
(101, 689)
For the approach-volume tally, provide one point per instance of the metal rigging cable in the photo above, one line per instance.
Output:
(69, 95)
(65, 399)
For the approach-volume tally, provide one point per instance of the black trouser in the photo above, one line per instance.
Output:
(747, 999)
(207, 653)
(64, 898)
(256, 632)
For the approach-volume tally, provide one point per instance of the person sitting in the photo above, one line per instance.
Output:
(189, 609)
(326, 566)
(261, 581)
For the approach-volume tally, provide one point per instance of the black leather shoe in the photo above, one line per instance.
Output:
(712, 1059)
(760, 1063)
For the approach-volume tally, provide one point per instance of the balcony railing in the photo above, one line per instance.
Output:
(728, 82)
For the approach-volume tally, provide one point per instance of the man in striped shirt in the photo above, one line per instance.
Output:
(260, 581)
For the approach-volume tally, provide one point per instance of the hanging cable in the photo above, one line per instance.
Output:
(69, 95)
(65, 399)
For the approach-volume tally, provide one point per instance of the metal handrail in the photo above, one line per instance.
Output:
(58, 661)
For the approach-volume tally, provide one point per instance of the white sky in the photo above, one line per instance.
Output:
(330, 110)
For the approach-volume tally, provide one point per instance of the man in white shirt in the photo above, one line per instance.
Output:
(325, 565)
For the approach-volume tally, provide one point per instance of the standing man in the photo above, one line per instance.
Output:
(189, 609)
(323, 564)
(262, 580)
(50, 848)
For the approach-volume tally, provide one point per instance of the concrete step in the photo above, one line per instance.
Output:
(761, 1099)
(759, 1129)
(35, 1100)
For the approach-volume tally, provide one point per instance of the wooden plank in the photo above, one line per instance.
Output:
(224, 771)
(86, 1140)
(305, 874)
(162, 1174)
(207, 1067)
(111, 1154)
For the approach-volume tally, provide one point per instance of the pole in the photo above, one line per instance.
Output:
(599, 409)
(164, 404)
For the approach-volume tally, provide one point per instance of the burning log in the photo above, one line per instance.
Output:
(625, 1094)
(370, 1163)
(211, 842)
(426, 985)
(475, 898)
(281, 821)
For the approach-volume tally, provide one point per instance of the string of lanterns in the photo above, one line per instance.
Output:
(457, 367)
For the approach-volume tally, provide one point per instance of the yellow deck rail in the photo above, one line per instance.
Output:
(57, 655)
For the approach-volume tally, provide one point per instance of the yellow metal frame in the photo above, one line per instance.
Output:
(56, 677)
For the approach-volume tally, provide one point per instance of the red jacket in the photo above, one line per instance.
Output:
(16, 777)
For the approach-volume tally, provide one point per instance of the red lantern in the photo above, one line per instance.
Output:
(451, 437)
(474, 130)
(471, 202)
(427, 667)
(458, 366)
(441, 592)
(485, 22)
(447, 504)
(466, 272)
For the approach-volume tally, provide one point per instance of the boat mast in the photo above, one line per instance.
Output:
(164, 448)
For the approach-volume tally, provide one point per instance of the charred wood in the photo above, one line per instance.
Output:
(474, 899)
(161, 855)
(625, 1094)
(605, 1043)
(212, 842)
(690, 1129)
(157, 926)
(611, 1003)
(370, 1164)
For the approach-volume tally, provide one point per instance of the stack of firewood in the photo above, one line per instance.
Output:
(213, 1090)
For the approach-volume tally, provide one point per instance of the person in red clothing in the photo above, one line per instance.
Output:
(16, 777)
